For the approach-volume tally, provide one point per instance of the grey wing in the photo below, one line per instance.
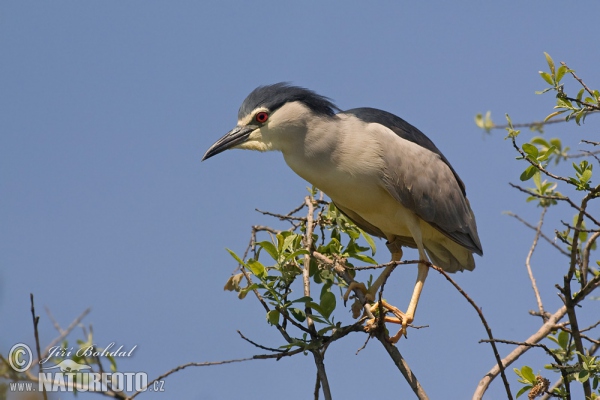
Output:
(419, 176)
(423, 183)
(404, 130)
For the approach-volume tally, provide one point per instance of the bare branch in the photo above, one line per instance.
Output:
(36, 321)
(590, 142)
(586, 256)
(534, 124)
(308, 244)
(389, 264)
(542, 235)
(528, 263)
(548, 351)
(544, 330)
(578, 79)
(281, 216)
(562, 198)
(192, 364)
(486, 326)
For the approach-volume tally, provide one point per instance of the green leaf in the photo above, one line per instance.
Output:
(583, 376)
(554, 114)
(587, 174)
(288, 241)
(304, 299)
(547, 153)
(563, 340)
(235, 256)
(296, 254)
(546, 76)
(550, 63)
(479, 121)
(298, 314)
(531, 150)
(369, 241)
(541, 141)
(528, 173)
(564, 103)
(326, 329)
(580, 94)
(270, 248)
(560, 73)
(523, 390)
(256, 268)
(273, 317)
(327, 304)
(364, 258)
(528, 374)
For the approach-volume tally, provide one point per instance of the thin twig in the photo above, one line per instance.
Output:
(583, 153)
(191, 364)
(562, 198)
(538, 165)
(306, 271)
(531, 124)
(53, 320)
(578, 79)
(36, 321)
(528, 263)
(542, 235)
(590, 142)
(258, 345)
(589, 328)
(586, 256)
(544, 330)
(308, 244)
(281, 216)
(579, 229)
(557, 360)
(486, 326)
(388, 264)
(566, 291)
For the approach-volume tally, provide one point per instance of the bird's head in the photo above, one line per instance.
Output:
(273, 117)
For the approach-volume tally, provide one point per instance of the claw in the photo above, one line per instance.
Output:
(354, 285)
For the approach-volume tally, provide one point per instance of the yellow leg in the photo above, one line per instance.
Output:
(409, 316)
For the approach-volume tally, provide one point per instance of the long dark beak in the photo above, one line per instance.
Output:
(237, 135)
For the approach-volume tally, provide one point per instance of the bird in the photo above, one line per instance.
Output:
(384, 174)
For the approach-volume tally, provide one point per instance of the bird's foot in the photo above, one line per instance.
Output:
(398, 318)
(358, 286)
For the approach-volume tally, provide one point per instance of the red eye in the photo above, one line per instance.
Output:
(261, 117)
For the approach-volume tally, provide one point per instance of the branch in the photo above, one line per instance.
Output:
(586, 256)
(563, 371)
(389, 264)
(578, 79)
(308, 244)
(544, 330)
(392, 350)
(485, 324)
(528, 263)
(538, 165)
(36, 321)
(194, 364)
(593, 192)
(546, 238)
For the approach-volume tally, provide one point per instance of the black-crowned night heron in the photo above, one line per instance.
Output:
(379, 170)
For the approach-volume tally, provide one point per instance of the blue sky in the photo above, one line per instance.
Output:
(108, 107)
